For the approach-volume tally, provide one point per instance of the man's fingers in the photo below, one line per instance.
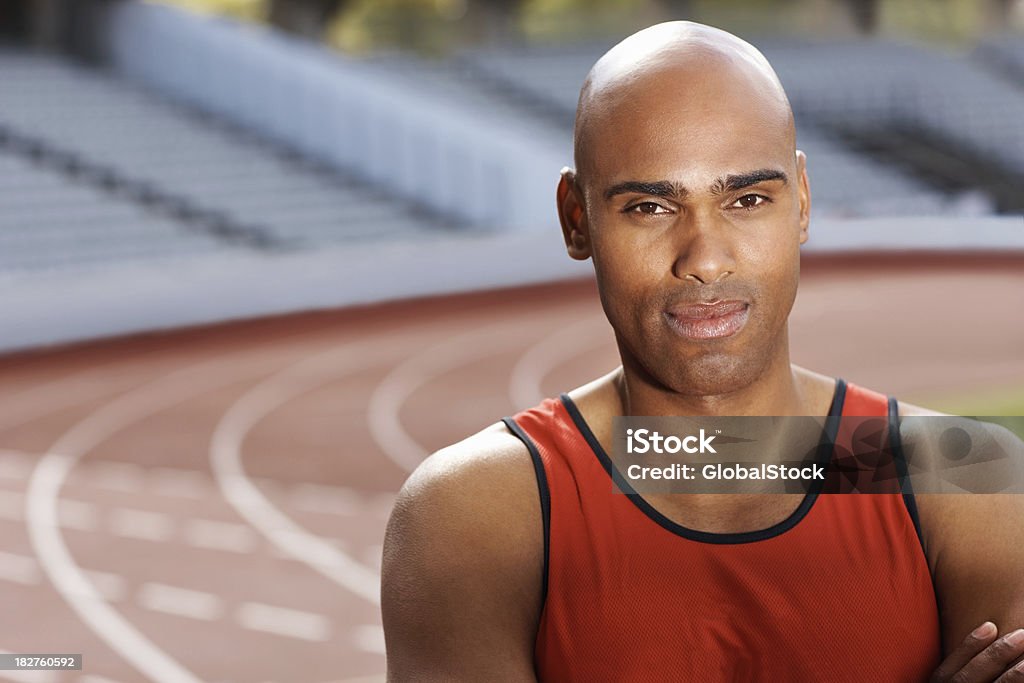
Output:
(972, 645)
(993, 660)
(1014, 675)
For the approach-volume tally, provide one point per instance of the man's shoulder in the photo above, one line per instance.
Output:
(492, 454)
(478, 495)
(463, 562)
(911, 410)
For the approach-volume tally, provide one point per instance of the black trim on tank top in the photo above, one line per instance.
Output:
(902, 469)
(545, 498)
(825, 449)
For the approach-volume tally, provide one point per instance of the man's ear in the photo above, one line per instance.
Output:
(803, 194)
(572, 216)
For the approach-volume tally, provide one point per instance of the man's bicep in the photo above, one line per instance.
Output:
(978, 556)
(461, 578)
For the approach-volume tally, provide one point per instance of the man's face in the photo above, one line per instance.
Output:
(695, 196)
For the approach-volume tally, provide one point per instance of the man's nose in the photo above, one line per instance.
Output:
(704, 251)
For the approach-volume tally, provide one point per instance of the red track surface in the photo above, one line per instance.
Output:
(267, 573)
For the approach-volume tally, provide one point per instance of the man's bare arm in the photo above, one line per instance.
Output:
(974, 544)
(463, 564)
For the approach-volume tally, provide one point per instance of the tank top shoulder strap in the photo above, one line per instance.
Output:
(864, 402)
(861, 402)
(539, 429)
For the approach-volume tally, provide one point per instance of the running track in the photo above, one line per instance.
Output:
(209, 504)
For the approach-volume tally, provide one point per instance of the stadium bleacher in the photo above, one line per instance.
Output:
(200, 155)
(871, 86)
(1004, 53)
(212, 176)
(879, 84)
(50, 221)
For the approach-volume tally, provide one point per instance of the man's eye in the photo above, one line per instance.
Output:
(649, 208)
(749, 201)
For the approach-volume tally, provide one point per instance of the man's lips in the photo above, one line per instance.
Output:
(711, 320)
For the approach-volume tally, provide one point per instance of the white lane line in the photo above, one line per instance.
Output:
(64, 392)
(282, 621)
(112, 587)
(524, 384)
(393, 390)
(280, 553)
(124, 477)
(369, 638)
(141, 524)
(246, 497)
(180, 483)
(332, 500)
(216, 535)
(16, 464)
(12, 505)
(19, 569)
(52, 472)
(181, 602)
(73, 514)
(25, 570)
(78, 515)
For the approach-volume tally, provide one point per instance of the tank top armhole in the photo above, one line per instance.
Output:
(902, 469)
(545, 498)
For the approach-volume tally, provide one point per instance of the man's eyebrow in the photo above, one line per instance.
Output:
(659, 188)
(740, 180)
(665, 188)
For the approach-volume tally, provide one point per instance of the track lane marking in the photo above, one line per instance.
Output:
(395, 388)
(122, 477)
(369, 638)
(245, 496)
(332, 500)
(52, 471)
(283, 621)
(180, 602)
(78, 515)
(216, 535)
(142, 525)
(20, 569)
(537, 361)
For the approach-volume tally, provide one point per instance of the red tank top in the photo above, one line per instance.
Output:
(838, 591)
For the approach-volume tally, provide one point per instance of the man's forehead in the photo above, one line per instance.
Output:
(679, 100)
(691, 144)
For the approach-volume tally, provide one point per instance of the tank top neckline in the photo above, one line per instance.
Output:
(824, 455)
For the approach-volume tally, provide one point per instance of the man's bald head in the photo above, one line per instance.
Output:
(688, 189)
(679, 64)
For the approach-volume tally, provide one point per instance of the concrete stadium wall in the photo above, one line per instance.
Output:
(431, 151)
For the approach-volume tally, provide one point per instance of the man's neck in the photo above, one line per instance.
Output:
(778, 391)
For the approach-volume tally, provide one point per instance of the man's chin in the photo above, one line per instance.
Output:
(712, 374)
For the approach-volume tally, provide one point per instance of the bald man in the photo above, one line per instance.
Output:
(510, 558)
